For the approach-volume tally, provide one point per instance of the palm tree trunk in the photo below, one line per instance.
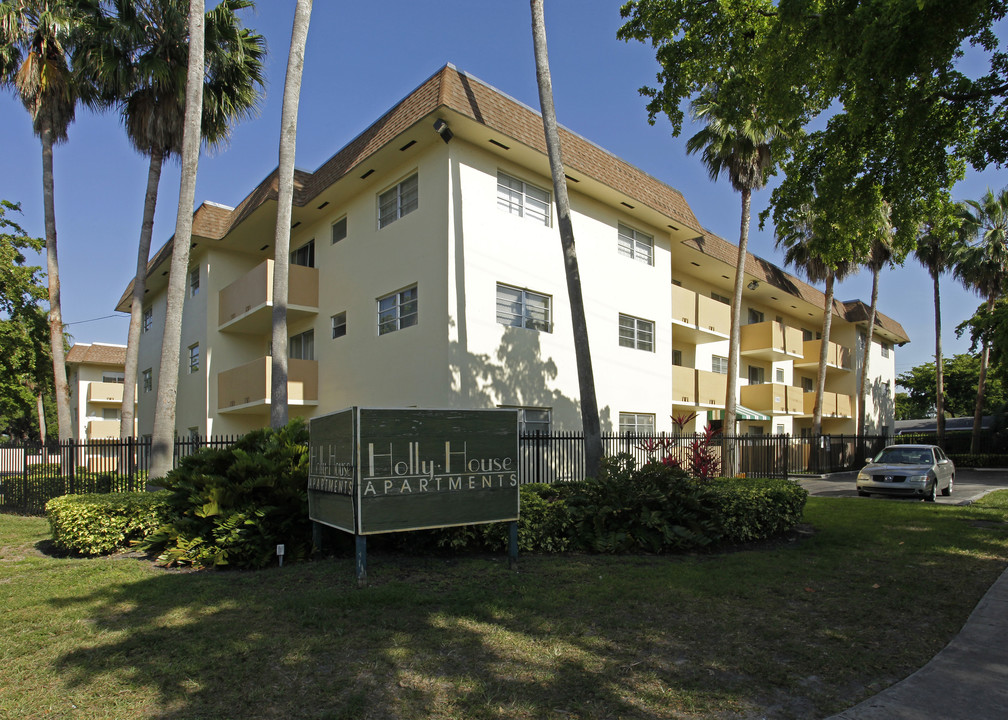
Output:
(735, 332)
(41, 418)
(126, 426)
(285, 199)
(939, 366)
(823, 356)
(978, 410)
(579, 325)
(56, 340)
(863, 393)
(162, 443)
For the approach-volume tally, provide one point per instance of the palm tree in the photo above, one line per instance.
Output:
(984, 267)
(285, 199)
(36, 37)
(579, 325)
(879, 255)
(939, 245)
(137, 56)
(745, 152)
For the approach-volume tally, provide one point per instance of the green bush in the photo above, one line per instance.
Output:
(101, 524)
(983, 460)
(750, 510)
(232, 507)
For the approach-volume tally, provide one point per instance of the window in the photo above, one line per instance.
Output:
(304, 255)
(397, 311)
(194, 358)
(780, 375)
(885, 349)
(719, 364)
(517, 307)
(194, 433)
(339, 325)
(636, 423)
(636, 333)
(807, 385)
(677, 357)
(755, 316)
(780, 429)
(721, 298)
(806, 335)
(532, 420)
(302, 346)
(194, 283)
(147, 380)
(148, 319)
(756, 375)
(339, 230)
(400, 200)
(519, 198)
(113, 377)
(110, 413)
(636, 245)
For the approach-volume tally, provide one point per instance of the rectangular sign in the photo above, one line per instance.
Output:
(331, 476)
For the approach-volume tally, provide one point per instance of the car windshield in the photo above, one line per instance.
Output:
(905, 456)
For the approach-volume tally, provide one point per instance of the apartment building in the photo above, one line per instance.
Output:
(95, 373)
(426, 271)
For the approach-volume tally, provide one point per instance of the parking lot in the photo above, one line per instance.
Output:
(969, 486)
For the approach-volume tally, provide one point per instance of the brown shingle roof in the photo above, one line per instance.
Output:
(96, 354)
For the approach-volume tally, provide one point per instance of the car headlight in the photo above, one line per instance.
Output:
(918, 478)
(863, 476)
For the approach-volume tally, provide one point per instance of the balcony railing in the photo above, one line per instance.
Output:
(698, 318)
(246, 305)
(838, 357)
(711, 389)
(771, 340)
(98, 429)
(246, 388)
(835, 405)
(773, 398)
(105, 393)
(684, 386)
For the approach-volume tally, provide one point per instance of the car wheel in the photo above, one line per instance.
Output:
(948, 491)
(932, 492)
(862, 493)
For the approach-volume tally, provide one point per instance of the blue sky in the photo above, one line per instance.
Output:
(361, 61)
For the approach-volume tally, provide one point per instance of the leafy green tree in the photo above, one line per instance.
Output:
(880, 255)
(908, 409)
(962, 373)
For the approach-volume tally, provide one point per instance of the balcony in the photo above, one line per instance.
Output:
(773, 399)
(771, 340)
(246, 389)
(246, 305)
(105, 393)
(834, 405)
(711, 389)
(100, 429)
(838, 357)
(698, 318)
(684, 386)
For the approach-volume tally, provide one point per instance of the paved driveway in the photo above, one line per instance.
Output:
(969, 485)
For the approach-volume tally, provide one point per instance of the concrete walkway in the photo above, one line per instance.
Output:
(967, 680)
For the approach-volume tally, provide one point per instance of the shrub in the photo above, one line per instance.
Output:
(101, 524)
(982, 460)
(232, 507)
(750, 510)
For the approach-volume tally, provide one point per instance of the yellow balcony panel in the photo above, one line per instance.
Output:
(838, 357)
(834, 405)
(771, 340)
(99, 429)
(711, 389)
(105, 393)
(684, 386)
(772, 398)
(246, 389)
(246, 305)
(713, 318)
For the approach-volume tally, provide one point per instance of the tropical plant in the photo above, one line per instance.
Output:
(880, 255)
(983, 266)
(285, 199)
(579, 324)
(36, 41)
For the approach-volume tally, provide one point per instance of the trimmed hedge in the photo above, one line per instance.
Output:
(983, 460)
(99, 524)
(751, 510)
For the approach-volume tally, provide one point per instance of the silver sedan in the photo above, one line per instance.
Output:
(908, 470)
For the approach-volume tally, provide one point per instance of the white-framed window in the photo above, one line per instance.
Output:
(780, 429)
(886, 347)
(780, 375)
(677, 357)
(517, 197)
(636, 423)
(194, 283)
(398, 200)
(302, 346)
(194, 358)
(194, 433)
(111, 413)
(719, 364)
(304, 255)
(636, 333)
(339, 325)
(113, 377)
(721, 298)
(147, 319)
(339, 230)
(518, 307)
(532, 420)
(398, 310)
(147, 380)
(755, 316)
(635, 244)
(756, 375)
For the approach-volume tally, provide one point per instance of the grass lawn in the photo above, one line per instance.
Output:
(798, 629)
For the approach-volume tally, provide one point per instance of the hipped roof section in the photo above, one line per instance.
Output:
(97, 354)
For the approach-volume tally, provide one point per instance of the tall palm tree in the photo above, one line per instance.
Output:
(137, 56)
(939, 244)
(879, 255)
(163, 440)
(984, 267)
(36, 39)
(744, 152)
(582, 352)
(285, 199)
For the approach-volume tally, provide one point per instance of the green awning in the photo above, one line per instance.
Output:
(741, 413)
